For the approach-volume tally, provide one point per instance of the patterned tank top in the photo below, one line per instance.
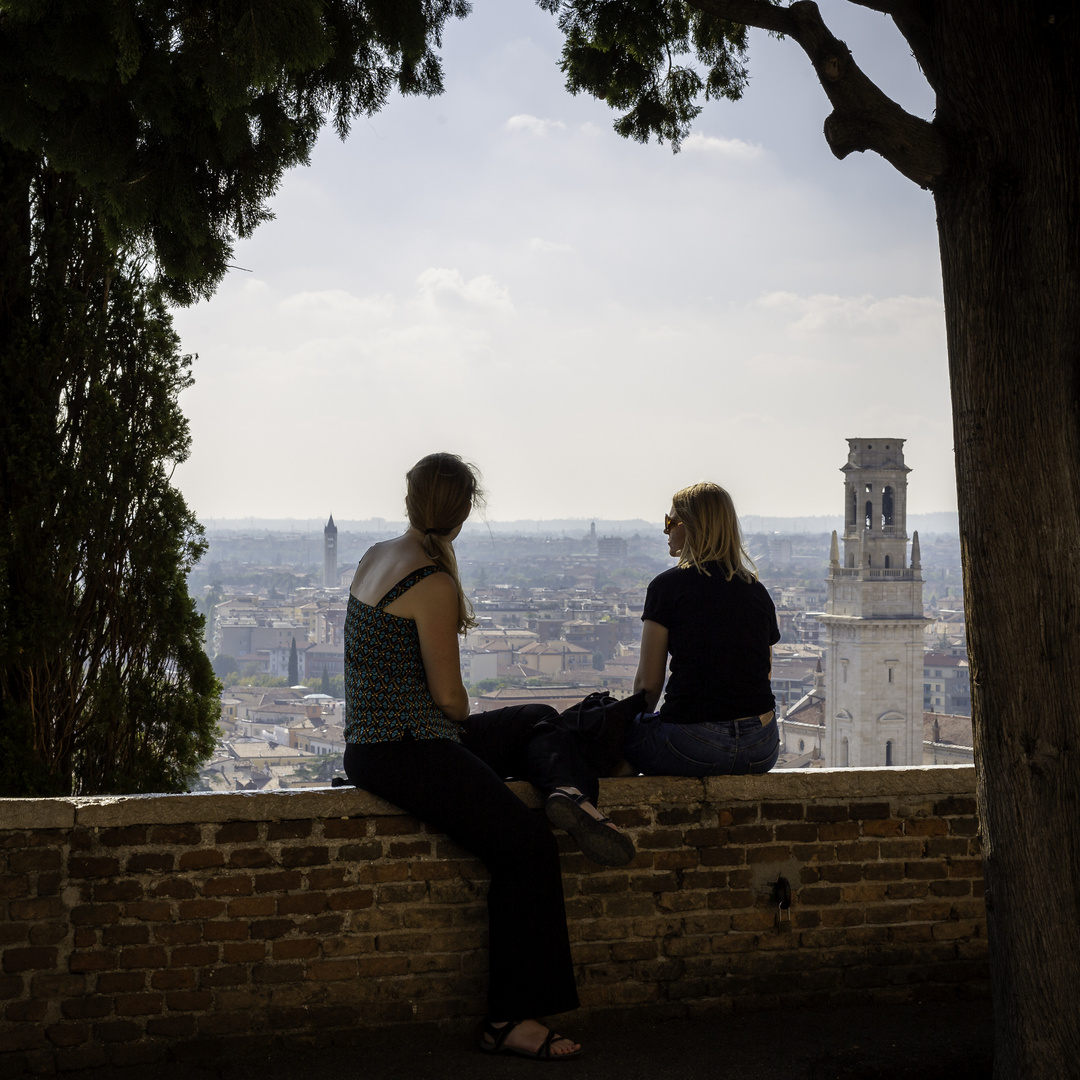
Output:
(386, 690)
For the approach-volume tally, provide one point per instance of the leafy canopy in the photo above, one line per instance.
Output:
(652, 58)
(179, 119)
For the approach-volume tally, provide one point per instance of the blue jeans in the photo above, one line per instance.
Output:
(724, 748)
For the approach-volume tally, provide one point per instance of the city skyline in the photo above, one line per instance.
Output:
(593, 322)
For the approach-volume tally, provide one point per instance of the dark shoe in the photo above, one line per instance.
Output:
(594, 836)
(498, 1037)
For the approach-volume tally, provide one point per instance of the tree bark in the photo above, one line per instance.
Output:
(1008, 79)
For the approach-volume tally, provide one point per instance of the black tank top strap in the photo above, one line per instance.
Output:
(406, 583)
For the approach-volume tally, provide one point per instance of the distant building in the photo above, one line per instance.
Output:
(330, 578)
(874, 617)
(611, 547)
(947, 682)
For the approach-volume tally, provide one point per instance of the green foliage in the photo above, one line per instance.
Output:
(104, 684)
(325, 687)
(225, 667)
(178, 120)
(652, 58)
(294, 664)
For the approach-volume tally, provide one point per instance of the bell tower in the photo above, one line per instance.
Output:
(874, 617)
(329, 574)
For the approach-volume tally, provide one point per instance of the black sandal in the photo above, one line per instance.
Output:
(597, 840)
(542, 1053)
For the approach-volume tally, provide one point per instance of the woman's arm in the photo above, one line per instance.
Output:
(434, 609)
(652, 662)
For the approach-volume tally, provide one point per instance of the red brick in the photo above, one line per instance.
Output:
(200, 860)
(117, 1031)
(250, 857)
(780, 811)
(128, 836)
(886, 827)
(176, 835)
(277, 973)
(344, 829)
(304, 856)
(29, 959)
(139, 1004)
(178, 933)
(243, 952)
(50, 933)
(401, 825)
(176, 887)
(125, 935)
(87, 1008)
(28, 1037)
(283, 881)
(147, 956)
(227, 976)
(95, 914)
(88, 1057)
(171, 1027)
(225, 930)
(120, 982)
(295, 949)
(57, 986)
(925, 827)
(82, 866)
(189, 1000)
(247, 906)
(271, 928)
(818, 811)
(200, 909)
(768, 853)
(149, 862)
(926, 870)
(409, 849)
(67, 1034)
(26, 1012)
(336, 877)
(112, 891)
(239, 885)
(302, 904)
(22, 862)
(35, 909)
(237, 832)
(332, 970)
(365, 852)
(173, 979)
(184, 956)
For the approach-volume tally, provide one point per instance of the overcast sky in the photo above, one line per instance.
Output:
(594, 322)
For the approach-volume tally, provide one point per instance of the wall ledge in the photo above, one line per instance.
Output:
(330, 802)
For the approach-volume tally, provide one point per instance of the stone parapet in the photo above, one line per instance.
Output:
(137, 928)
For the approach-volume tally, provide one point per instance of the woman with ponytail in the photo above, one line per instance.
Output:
(412, 742)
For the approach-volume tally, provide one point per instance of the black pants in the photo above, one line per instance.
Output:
(459, 789)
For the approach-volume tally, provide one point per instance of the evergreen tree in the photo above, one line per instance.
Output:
(294, 665)
(138, 139)
(325, 688)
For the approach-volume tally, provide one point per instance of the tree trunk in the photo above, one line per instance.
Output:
(1009, 224)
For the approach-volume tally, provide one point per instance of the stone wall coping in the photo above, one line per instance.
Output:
(925, 781)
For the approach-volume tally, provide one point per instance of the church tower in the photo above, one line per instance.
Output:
(874, 617)
(329, 573)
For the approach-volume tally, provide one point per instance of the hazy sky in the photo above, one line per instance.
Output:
(594, 322)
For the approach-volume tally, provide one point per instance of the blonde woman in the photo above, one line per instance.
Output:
(410, 739)
(717, 623)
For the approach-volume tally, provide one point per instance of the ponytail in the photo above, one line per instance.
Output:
(441, 489)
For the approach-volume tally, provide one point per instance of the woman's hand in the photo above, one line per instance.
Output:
(434, 610)
(652, 662)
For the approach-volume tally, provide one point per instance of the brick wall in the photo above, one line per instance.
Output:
(132, 929)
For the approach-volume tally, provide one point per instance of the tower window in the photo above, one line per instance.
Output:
(888, 753)
(887, 562)
(887, 506)
(869, 516)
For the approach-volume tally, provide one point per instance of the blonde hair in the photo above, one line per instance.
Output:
(712, 531)
(440, 491)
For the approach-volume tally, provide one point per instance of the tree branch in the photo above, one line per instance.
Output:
(863, 117)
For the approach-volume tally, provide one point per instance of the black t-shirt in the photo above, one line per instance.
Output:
(719, 634)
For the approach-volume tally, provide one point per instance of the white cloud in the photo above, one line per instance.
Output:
(440, 288)
(860, 316)
(536, 244)
(337, 303)
(717, 147)
(533, 125)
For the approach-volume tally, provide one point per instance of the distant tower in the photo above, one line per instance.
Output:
(874, 617)
(329, 572)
